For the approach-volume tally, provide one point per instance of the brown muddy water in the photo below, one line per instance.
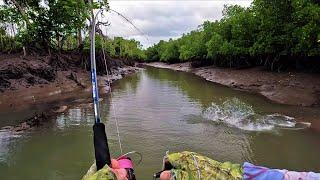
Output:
(160, 110)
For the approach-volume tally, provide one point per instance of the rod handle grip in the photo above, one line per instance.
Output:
(101, 148)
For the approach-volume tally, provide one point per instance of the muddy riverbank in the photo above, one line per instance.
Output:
(160, 110)
(286, 88)
(34, 82)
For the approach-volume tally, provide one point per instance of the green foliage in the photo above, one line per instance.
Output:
(46, 24)
(306, 36)
(152, 53)
(267, 33)
(130, 49)
(170, 51)
(193, 46)
(58, 24)
(214, 46)
(8, 43)
(118, 47)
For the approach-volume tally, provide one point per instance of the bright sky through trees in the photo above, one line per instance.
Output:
(162, 20)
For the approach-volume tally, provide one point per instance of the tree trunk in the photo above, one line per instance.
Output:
(58, 38)
(22, 12)
(24, 51)
(79, 37)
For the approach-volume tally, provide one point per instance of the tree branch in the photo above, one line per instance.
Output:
(22, 12)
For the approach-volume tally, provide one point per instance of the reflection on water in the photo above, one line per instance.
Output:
(75, 117)
(160, 110)
(6, 138)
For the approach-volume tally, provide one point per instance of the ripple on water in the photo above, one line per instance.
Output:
(6, 137)
(236, 113)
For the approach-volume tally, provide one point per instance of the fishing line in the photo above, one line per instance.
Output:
(135, 27)
(110, 91)
(132, 152)
(115, 115)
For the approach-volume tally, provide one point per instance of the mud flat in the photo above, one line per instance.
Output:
(289, 88)
(27, 82)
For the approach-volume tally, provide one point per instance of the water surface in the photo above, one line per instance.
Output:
(160, 110)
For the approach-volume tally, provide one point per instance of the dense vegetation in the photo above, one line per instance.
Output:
(279, 34)
(57, 25)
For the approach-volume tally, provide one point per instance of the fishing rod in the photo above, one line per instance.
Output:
(101, 148)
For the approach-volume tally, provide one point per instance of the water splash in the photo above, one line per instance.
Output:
(236, 113)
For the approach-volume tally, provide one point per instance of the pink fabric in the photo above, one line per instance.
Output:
(252, 172)
(291, 175)
(125, 163)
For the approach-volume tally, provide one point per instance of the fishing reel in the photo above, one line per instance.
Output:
(166, 166)
(103, 157)
(126, 163)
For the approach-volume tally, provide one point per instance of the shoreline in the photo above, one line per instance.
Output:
(56, 99)
(288, 88)
(42, 99)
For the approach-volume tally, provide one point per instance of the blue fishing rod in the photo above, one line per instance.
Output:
(101, 148)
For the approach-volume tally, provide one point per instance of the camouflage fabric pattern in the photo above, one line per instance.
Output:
(187, 166)
(103, 174)
(192, 166)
